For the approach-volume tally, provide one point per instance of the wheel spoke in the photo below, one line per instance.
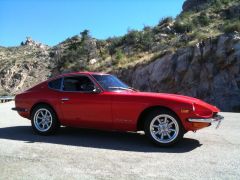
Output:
(172, 130)
(156, 132)
(170, 124)
(39, 119)
(46, 112)
(161, 136)
(168, 135)
(165, 120)
(159, 121)
(41, 122)
(42, 113)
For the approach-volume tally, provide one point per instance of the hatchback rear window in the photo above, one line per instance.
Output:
(55, 84)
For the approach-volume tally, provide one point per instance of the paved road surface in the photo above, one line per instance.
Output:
(89, 154)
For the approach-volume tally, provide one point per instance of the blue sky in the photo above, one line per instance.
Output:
(52, 21)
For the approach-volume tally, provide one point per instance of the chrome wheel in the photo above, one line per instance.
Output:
(164, 128)
(43, 120)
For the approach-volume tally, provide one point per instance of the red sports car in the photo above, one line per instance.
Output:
(102, 101)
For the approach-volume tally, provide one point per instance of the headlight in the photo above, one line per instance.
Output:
(201, 110)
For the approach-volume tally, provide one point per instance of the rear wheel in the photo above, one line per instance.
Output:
(163, 128)
(44, 120)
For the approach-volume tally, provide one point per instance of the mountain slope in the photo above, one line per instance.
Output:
(196, 54)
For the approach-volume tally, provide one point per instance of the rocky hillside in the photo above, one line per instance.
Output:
(196, 54)
(23, 66)
(210, 70)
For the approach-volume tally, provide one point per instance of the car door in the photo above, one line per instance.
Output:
(82, 106)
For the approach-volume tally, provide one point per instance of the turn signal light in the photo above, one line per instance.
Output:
(185, 111)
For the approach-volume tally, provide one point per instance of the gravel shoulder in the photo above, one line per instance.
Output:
(90, 154)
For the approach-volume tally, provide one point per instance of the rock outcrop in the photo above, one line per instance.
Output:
(195, 5)
(210, 70)
(22, 67)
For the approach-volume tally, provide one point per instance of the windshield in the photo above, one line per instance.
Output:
(110, 83)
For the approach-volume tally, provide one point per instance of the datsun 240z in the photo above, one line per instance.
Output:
(102, 101)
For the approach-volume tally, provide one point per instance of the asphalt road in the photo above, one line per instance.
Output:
(90, 154)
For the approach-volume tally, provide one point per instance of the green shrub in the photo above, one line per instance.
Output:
(119, 55)
(203, 19)
(217, 5)
(199, 36)
(230, 27)
(182, 27)
(185, 15)
(113, 44)
(132, 37)
(85, 34)
(146, 40)
(147, 28)
(165, 20)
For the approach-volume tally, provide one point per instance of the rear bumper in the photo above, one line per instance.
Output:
(19, 109)
(216, 119)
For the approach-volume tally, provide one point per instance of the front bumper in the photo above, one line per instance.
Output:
(216, 119)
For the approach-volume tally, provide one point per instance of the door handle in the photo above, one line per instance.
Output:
(65, 99)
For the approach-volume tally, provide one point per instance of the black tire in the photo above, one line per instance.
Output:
(151, 128)
(52, 127)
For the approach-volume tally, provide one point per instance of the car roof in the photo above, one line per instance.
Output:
(77, 73)
(83, 72)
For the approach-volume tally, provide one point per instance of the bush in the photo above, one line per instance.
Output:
(165, 20)
(140, 40)
(203, 19)
(119, 55)
(219, 3)
(199, 36)
(132, 37)
(85, 34)
(230, 27)
(182, 27)
(147, 38)
(114, 43)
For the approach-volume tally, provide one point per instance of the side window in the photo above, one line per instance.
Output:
(55, 84)
(78, 83)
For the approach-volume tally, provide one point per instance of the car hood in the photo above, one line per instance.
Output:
(179, 98)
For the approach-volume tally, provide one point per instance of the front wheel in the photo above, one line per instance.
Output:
(44, 120)
(163, 128)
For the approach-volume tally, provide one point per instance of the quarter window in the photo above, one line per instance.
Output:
(78, 83)
(55, 84)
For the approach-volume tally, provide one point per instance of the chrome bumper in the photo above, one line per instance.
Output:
(20, 109)
(216, 119)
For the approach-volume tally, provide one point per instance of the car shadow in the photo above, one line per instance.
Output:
(131, 141)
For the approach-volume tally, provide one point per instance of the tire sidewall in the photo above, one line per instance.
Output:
(148, 121)
(54, 125)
